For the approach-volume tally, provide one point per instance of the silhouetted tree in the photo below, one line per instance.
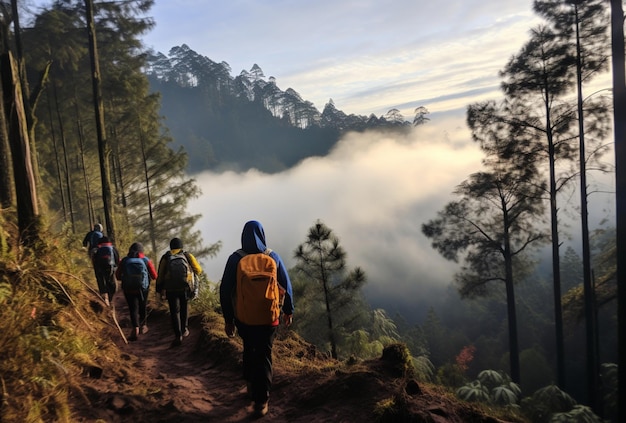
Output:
(493, 223)
(322, 262)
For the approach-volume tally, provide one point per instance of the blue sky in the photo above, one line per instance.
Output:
(368, 56)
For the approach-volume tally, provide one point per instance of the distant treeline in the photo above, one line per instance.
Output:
(245, 122)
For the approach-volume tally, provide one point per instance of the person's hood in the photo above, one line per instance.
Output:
(253, 237)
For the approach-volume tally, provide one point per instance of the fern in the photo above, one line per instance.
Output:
(579, 414)
(491, 378)
(502, 395)
(473, 392)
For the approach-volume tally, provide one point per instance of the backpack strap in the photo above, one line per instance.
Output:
(242, 253)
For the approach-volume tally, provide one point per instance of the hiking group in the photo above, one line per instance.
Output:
(254, 290)
(176, 280)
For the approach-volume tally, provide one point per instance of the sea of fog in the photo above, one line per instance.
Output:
(373, 190)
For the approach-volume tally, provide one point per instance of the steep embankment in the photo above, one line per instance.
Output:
(200, 381)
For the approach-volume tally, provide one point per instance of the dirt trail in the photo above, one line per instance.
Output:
(159, 383)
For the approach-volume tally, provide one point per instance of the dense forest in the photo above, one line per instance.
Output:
(97, 129)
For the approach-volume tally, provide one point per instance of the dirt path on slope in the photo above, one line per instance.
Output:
(153, 381)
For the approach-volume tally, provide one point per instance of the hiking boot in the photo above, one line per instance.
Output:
(186, 332)
(261, 408)
(144, 329)
(177, 341)
(249, 388)
(133, 334)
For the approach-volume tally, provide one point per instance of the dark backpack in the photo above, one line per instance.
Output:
(134, 274)
(95, 237)
(179, 272)
(104, 258)
(258, 294)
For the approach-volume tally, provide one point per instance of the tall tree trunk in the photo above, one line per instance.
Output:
(25, 183)
(147, 177)
(7, 193)
(619, 113)
(510, 299)
(81, 148)
(68, 182)
(593, 366)
(556, 259)
(56, 159)
(103, 148)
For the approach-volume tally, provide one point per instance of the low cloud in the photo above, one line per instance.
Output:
(374, 190)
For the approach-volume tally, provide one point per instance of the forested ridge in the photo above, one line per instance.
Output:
(246, 121)
(96, 129)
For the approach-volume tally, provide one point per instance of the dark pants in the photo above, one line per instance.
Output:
(257, 358)
(177, 301)
(137, 307)
(106, 282)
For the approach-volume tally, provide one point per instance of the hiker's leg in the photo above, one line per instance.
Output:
(173, 300)
(131, 300)
(261, 340)
(184, 317)
(264, 362)
(101, 280)
(247, 359)
(143, 306)
(111, 285)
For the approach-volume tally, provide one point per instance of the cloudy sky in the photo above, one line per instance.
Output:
(368, 56)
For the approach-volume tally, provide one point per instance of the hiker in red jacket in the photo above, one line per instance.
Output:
(136, 271)
(256, 320)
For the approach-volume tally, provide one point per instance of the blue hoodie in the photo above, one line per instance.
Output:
(252, 241)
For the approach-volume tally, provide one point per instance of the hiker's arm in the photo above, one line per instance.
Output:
(195, 266)
(151, 270)
(118, 271)
(227, 287)
(285, 283)
(161, 274)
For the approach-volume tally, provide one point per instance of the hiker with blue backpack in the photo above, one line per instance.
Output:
(178, 282)
(91, 239)
(136, 271)
(105, 260)
(255, 288)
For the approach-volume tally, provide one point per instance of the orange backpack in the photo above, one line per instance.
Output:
(258, 294)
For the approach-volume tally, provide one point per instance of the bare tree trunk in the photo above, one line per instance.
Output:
(25, 184)
(56, 159)
(593, 365)
(147, 177)
(68, 181)
(103, 148)
(7, 193)
(619, 111)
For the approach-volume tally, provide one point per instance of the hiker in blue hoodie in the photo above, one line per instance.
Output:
(257, 333)
(105, 261)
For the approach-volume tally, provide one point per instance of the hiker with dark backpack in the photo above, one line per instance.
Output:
(178, 282)
(91, 240)
(255, 288)
(105, 261)
(136, 271)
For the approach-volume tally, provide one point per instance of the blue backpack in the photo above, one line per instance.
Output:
(135, 274)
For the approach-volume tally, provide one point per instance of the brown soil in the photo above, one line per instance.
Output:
(200, 381)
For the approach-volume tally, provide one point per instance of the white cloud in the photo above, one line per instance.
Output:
(374, 190)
